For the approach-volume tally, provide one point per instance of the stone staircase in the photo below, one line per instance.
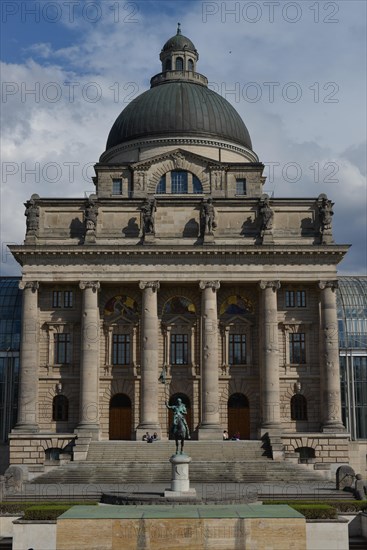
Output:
(132, 462)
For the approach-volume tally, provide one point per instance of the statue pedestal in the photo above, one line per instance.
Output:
(180, 482)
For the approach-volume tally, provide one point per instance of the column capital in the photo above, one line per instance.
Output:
(154, 285)
(274, 285)
(214, 285)
(328, 284)
(94, 285)
(33, 285)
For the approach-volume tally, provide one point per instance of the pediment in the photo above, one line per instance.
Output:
(236, 320)
(177, 157)
(179, 319)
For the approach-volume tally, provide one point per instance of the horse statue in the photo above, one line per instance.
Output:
(179, 433)
(179, 428)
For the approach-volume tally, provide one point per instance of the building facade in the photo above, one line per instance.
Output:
(179, 269)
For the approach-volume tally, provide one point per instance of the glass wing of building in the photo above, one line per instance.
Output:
(10, 323)
(352, 321)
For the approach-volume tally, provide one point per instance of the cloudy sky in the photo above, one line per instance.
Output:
(295, 71)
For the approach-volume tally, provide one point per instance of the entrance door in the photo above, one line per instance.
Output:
(239, 416)
(120, 417)
(186, 401)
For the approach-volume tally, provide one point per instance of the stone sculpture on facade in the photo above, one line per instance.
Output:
(208, 222)
(148, 210)
(267, 218)
(90, 219)
(325, 207)
(360, 488)
(32, 215)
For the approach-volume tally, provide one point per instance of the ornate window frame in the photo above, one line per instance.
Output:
(59, 328)
(110, 329)
(179, 324)
(235, 324)
(296, 328)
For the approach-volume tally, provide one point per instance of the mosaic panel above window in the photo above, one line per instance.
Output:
(121, 307)
(236, 305)
(179, 305)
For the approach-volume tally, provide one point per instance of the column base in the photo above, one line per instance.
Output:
(333, 427)
(26, 429)
(271, 428)
(206, 433)
(91, 429)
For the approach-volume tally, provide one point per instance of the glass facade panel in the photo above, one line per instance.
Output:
(352, 325)
(10, 328)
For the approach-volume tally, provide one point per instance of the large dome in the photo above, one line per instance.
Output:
(179, 103)
(179, 109)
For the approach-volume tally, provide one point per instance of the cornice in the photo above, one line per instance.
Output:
(29, 254)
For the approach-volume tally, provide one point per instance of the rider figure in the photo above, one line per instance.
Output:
(179, 410)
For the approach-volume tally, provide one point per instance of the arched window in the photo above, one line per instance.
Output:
(190, 65)
(168, 65)
(179, 64)
(60, 408)
(161, 187)
(179, 181)
(298, 407)
(196, 185)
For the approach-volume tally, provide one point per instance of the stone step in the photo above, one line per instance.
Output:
(111, 451)
(156, 472)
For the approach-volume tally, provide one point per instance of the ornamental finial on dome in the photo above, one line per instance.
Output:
(178, 28)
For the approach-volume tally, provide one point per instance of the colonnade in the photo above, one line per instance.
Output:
(209, 427)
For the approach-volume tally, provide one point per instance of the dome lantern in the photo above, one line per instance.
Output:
(179, 53)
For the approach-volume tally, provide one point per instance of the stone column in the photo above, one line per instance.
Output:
(210, 423)
(29, 360)
(89, 360)
(149, 419)
(330, 376)
(270, 393)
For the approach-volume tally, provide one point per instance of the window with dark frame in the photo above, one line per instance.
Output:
(60, 408)
(295, 298)
(117, 186)
(237, 349)
(121, 349)
(298, 407)
(190, 65)
(179, 64)
(68, 298)
(179, 349)
(241, 186)
(297, 348)
(57, 298)
(62, 348)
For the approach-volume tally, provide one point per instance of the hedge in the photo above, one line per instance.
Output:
(316, 511)
(342, 506)
(41, 509)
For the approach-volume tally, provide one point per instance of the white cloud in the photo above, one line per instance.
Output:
(125, 56)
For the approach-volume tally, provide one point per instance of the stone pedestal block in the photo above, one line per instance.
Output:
(180, 482)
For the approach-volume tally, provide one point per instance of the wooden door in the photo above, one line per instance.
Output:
(239, 416)
(120, 417)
